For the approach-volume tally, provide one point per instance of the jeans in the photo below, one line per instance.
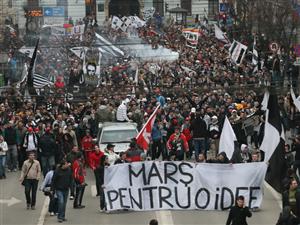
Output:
(2, 165)
(79, 191)
(47, 163)
(12, 157)
(62, 198)
(199, 146)
(31, 185)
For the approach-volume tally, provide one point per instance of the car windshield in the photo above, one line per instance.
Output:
(114, 136)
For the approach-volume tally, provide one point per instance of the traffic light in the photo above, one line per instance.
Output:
(166, 7)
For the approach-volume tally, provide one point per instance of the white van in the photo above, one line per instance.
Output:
(116, 133)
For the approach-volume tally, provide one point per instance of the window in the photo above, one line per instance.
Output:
(187, 4)
(9, 3)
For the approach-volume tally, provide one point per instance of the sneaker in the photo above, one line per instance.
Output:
(28, 206)
(101, 210)
(71, 197)
(15, 170)
(52, 214)
(8, 170)
(60, 220)
(33, 207)
(64, 219)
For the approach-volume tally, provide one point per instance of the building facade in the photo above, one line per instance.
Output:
(60, 11)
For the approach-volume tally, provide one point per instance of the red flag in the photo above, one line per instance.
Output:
(143, 137)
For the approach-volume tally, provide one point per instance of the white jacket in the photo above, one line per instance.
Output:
(122, 112)
(4, 148)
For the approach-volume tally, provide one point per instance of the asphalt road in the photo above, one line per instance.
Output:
(13, 210)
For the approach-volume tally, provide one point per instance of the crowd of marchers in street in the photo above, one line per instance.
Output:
(50, 139)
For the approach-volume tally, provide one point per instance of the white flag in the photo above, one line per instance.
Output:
(296, 101)
(227, 139)
(237, 52)
(116, 23)
(220, 35)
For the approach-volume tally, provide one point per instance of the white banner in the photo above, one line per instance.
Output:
(154, 185)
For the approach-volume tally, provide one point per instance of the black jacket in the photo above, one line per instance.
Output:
(47, 145)
(62, 179)
(285, 201)
(199, 128)
(10, 136)
(237, 216)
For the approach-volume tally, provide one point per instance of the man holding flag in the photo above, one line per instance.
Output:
(143, 137)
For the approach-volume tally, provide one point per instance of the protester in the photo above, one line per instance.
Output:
(238, 213)
(94, 163)
(47, 148)
(79, 174)
(61, 182)
(100, 172)
(3, 151)
(10, 136)
(177, 144)
(30, 176)
(46, 188)
(110, 153)
(291, 197)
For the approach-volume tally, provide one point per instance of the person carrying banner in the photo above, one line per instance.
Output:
(177, 144)
(94, 163)
(100, 172)
(238, 213)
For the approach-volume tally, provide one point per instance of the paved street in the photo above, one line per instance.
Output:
(17, 214)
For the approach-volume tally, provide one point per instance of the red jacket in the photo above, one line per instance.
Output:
(95, 159)
(182, 138)
(187, 133)
(78, 171)
(87, 143)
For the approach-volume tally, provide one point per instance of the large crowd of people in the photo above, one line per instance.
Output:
(195, 93)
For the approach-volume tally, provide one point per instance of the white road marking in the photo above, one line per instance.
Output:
(93, 190)
(44, 212)
(275, 194)
(164, 217)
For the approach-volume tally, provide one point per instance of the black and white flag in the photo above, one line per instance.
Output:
(273, 131)
(255, 57)
(237, 52)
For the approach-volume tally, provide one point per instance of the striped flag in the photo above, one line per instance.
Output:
(143, 137)
(108, 46)
(31, 69)
(255, 56)
(237, 52)
(40, 81)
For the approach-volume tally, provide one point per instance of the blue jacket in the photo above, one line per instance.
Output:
(156, 133)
